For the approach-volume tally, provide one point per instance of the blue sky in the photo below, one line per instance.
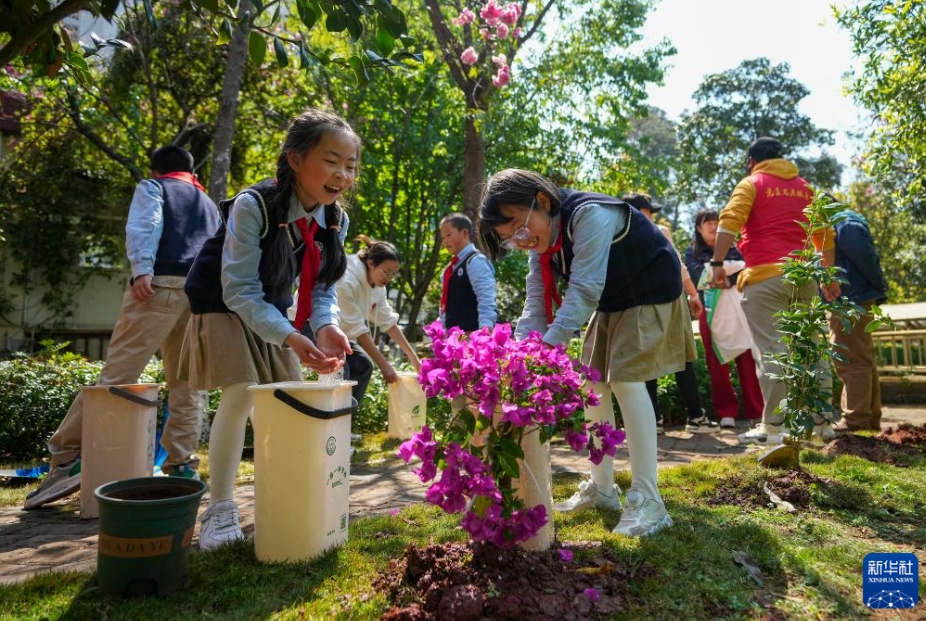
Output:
(715, 35)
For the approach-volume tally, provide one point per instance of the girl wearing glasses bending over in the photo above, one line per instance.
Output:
(363, 301)
(634, 299)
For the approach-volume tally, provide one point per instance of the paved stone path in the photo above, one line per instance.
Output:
(55, 538)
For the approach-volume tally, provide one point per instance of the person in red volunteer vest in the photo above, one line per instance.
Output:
(169, 219)
(766, 210)
(240, 288)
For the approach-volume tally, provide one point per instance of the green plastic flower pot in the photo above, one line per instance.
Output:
(146, 528)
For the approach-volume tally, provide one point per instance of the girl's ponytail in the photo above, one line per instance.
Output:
(334, 259)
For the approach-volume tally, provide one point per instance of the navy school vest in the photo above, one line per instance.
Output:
(190, 218)
(462, 306)
(643, 267)
(204, 283)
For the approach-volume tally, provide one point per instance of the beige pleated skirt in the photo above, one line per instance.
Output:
(218, 350)
(640, 343)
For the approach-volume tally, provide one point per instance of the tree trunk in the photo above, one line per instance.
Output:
(474, 167)
(228, 108)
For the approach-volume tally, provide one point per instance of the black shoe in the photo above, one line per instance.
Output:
(702, 425)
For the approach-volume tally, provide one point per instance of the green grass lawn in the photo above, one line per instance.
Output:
(810, 560)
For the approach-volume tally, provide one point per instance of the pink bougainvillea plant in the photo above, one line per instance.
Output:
(502, 389)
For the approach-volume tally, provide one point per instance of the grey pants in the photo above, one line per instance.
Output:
(760, 302)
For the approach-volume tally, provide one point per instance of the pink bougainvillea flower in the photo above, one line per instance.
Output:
(469, 56)
(565, 555)
(502, 389)
(592, 594)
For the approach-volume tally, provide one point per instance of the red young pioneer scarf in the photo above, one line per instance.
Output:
(184, 176)
(444, 292)
(311, 260)
(550, 292)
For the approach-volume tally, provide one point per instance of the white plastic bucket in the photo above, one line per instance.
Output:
(301, 468)
(407, 406)
(535, 487)
(117, 438)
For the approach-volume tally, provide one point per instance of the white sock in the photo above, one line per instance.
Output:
(640, 425)
(226, 440)
(603, 473)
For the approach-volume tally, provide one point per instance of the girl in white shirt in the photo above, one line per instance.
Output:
(363, 302)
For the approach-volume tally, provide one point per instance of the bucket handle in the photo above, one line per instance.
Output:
(308, 410)
(125, 394)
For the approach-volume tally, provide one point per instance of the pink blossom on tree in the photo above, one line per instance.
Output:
(469, 56)
(510, 14)
(466, 17)
(501, 79)
(491, 13)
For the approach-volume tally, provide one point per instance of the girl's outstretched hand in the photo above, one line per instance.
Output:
(312, 356)
(333, 343)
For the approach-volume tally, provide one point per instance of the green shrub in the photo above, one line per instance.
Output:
(373, 414)
(35, 394)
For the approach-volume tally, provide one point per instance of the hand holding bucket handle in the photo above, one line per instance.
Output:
(125, 394)
(308, 410)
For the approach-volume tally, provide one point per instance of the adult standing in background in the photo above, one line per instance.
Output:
(861, 388)
(767, 210)
(726, 405)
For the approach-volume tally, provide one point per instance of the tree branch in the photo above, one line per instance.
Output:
(93, 137)
(35, 29)
(448, 45)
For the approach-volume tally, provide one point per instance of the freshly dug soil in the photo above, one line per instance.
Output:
(791, 485)
(474, 582)
(898, 447)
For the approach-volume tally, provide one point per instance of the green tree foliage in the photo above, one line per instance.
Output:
(734, 108)
(31, 35)
(889, 36)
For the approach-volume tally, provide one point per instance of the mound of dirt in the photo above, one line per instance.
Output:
(905, 435)
(468, 581)
(789, 485)
(899, 447)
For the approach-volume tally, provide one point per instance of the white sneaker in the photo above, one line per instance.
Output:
(588, 497)
(220, 525)
(728, 422)
(61, 481)
(825, 432)
(642, 516)
(762, 434)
